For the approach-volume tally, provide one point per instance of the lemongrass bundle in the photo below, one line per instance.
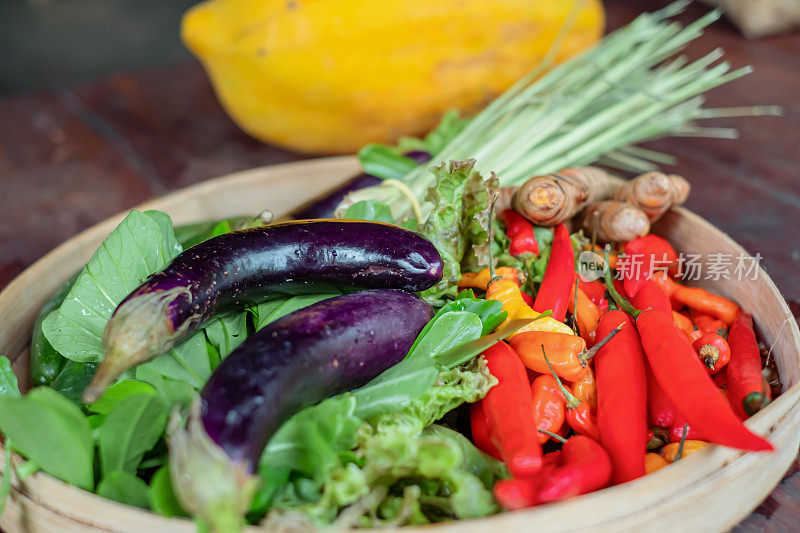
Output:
(591, 108)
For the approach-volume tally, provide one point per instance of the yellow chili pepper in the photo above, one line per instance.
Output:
(508, 293)
(653, 462)
(670, 451)
(480, 280)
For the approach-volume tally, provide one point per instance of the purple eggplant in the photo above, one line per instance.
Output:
(237, 269)
(325, 206)
(297, 361)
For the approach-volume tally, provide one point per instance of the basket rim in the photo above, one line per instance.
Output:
(767, 422)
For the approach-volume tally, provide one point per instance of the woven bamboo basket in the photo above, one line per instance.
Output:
(709, 491)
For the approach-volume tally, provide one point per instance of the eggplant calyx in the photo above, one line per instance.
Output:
(136, 333)
(207, 482)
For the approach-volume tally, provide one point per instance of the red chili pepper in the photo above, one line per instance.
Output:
(509, 412)
(527, 298)
(643, 256)
(747, 392)
(520, 231)
(480, 431)
(621, 397)
(713, 351)
(650, 295)
(586, 468)
(548, 406)
(660, 411)
(596, 292)
(685, 380)
(516, 493)
(676, 430)
(558, 276)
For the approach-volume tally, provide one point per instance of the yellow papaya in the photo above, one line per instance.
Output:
(328, 76)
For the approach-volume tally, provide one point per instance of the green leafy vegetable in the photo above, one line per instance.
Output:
(274, 309)
(50, 430)
(140, 245)
(393, 453)
(389, 162)
(126, 488)
(370, 210)
(385, 162)
(9, 388)
(225, 334)
(118, 392)
(188, 362)
(129, 430)
(458, 220)
(162, 497)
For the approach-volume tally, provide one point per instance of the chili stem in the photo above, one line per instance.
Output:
(683, 441)
(621, 302)
(586, 355)
(555, 436)
(572, 401)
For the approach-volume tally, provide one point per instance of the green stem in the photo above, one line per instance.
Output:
(683, 442)
(587, 355)
(572, 401)
(621, 302)
(559, 438)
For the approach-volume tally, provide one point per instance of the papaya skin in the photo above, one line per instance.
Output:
(328, 76)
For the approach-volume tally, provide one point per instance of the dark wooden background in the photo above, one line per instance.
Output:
(72, 157)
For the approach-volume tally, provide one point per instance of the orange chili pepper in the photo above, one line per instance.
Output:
(670, 451)
(548, 406)
(685, 323)
(579, 414)
(585, 387)
(706, 323)
(509, 294)
(480, 280)
(564, 352)
(705, 302)
(653, 462)
(587, 314)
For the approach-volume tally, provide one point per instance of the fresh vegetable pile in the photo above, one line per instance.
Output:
(432, 355)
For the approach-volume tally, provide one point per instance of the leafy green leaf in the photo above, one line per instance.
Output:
(450, 330)
(396, 388)
(188, 362)
(273, 310)
(8, 380)
(173, 392)
(117, 392)
(385, 162)
(459, 217)
(140, 245)
(129, 430)
(226, 333)
(461, 353)
(437, 139)
(370, 210)
(126, 488)
(478, 196)
(50, 430)
(73, 378)
(162, 497)
(310, 441)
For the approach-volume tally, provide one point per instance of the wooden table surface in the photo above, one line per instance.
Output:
(72, 157)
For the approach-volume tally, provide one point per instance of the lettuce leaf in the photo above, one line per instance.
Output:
(457, 223)
(397, 465)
